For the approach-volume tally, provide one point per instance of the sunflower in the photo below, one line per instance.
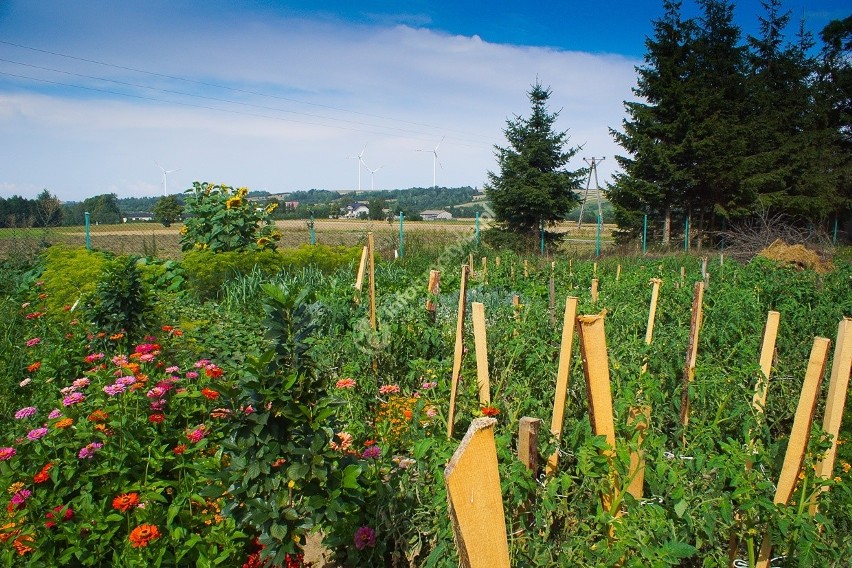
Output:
(233, 202)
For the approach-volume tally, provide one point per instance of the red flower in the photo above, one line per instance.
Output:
(490, 411)
(43, 475)
(210, 393)
(34, 367)
(67, 516)
(179, 449)
(156, 418)
(213, 372)
(125, 502)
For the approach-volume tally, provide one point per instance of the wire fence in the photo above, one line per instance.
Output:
(392, 238)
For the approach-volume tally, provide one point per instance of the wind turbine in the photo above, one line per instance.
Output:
(165, 178)
(434, 160)
(372, 175)
(360, 159)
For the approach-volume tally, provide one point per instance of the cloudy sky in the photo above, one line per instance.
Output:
(96, 96)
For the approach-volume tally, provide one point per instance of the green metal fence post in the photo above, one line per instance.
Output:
(686, 236)
(645, 234)
(401, 234)
(88, 236)
(598, 238)
(834, 238)
(541, 230)
(477, 228)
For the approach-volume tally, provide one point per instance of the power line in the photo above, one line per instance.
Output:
(236, 89)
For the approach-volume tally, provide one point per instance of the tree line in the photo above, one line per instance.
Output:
(725, 127)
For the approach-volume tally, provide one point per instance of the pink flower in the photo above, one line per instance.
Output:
(196, 435)
(55, 413)
(7, 453)
(125, 381)
(191, 375)
(345, 384)
(114, 390)
(345, 442)
(156, 392)
(364, 537)
(33, 342)
(37, 433)
(201, 363)
(94, 357)
(89, 450)
(174, 369)
(81, 383)
(372, 452)
(119, 360)
(428, 385)
(25, 412)
(147, 357)
(388, 389)
(73, 398)
(21, 496)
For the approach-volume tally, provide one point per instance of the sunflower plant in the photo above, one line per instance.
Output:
(221, 219)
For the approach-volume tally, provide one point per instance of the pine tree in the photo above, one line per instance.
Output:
(533, 188)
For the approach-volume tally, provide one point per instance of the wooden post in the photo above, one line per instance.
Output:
(484, 264)
(481, 346)
(691, 350)
(562, 375)
(526, 268)
(371, 259)
(596, 371)
(836, 399)
(594, 269)
(706, 280)
(594, 290)
(639, 416)
(459, 351)
(799, 436)
(767, 350)
(618, 273)
(497, 262)
(703, 267)
(528, 443)
(359, 278)
(475, 500)
(434, 290)
(682, 275)
(470, 264)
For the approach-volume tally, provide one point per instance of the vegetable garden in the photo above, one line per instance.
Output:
(158, 412)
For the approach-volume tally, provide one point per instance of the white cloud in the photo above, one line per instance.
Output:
(425, 84)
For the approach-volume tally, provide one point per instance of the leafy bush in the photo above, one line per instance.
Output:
(121, 304)
(222, 219)
(70, 275)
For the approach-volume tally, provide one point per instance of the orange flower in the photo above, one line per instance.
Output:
(43, 475)
(116, 336)
(126, 502)
(179, 449)
(490, 411)
(177, 333)
(21, 544)
(64, 423)
(156, 418)
(34, 367)
(143, 534)
(210, 393)
(98, 416)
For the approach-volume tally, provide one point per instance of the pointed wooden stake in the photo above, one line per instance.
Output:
(594, 290)
(459, 351)
(798, 443)
(618, 273)
(528, 443)
(526, 269)
(562, 375)
(359, 278)
(475, 500)
(836, 399)
(767, 350)
(434, 290)
(481, 346)
(691, 350)
(596, 371)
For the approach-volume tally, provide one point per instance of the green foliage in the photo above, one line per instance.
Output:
(167, 210)
(221, 219)
(207, 272)
(70, 275)
(121, 304)
(533, 189)
(103, 209)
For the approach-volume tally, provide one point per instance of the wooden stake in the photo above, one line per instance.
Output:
(703, 267)
(481, 346)
(618, 273)
(526, 269)
(691, 350)
(497, 262)
(470, 264)
(639, 416)
(562, 375)
(594, 268)
(594, 290)
(836, 399)
(359, 278)
(596, 371)
(433, 291)
(371, 258)
(798, 443)
(528, 443)
(459, 351)
(767, 350)
(682, 275)
(475, 500)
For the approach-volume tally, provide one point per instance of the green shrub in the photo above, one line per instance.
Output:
(206, 271)
(70, 275)
(121, 304)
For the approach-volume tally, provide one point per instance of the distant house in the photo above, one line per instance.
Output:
(435, 215)
(291, 204)
(137, 216)
(355, 210)
(479, 196)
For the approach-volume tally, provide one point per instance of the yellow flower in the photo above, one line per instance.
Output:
(15, 487)
(846, 467)
(183, 230)
(242, 192)
(262, 242)
(291, 484)
(233, 202)
(271, 207)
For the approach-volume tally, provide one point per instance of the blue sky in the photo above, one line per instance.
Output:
(279, 95)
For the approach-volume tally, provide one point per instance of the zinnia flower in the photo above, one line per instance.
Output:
(143, 534)
(388, 389)
(191, 375)
(25, 412)
(89, 450)
(364, 537)
(73, 398)
(67, 516)
(372, 452)
(64, 423)
(196, 435)
(179, 449)
(7, 453)
(114, 389)
(490, 411)
(21, 544)
(25, 382)
(213, 371)
(37, 433)
(34, 367)
(345, 384)
(43, 475)
(98, 416)
(33, 342)
(125, 502)
(54, 414)
(210, 394)
(156, 418)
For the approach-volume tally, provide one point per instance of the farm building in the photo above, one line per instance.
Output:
(435, 215)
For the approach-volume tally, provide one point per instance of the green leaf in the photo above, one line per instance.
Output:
(680, 508)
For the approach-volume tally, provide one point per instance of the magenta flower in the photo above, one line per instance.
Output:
(173, 369)
(196, 435)
(125, 381)
(73, 398)
(55, 413)
(94, 357)
(7, 453)
(89, 450)
(114, 390)
(156, 392)
(21, 496)
(372, 452)
(37, 433)
(364, 537)
(25, 412)
(81, 383)
(33, 342)
(191, 375)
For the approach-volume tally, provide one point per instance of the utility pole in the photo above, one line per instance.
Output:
(593, 171)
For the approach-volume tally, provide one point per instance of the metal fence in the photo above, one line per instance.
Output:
(397, 237)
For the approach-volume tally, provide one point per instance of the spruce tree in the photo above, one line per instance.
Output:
(533, 188)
